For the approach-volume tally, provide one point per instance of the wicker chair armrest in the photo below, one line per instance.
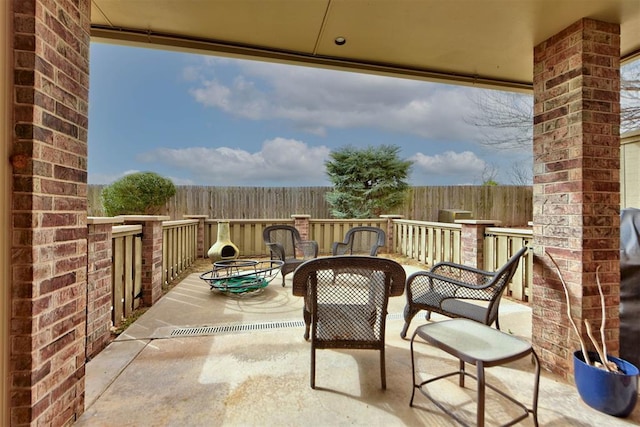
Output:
(309, 248)
(277, 251)
(460, 268)
(422, 282)
(339, 248)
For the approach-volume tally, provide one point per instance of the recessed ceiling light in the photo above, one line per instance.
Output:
(340, 41)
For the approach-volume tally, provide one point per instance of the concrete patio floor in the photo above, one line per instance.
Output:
(201, 358)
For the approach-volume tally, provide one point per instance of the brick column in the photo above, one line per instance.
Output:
(99, 282)
(390, 231)
(151, 255)
(201, 251)
(49, 69)
(472, 241)
(301, 222)
(576, 218)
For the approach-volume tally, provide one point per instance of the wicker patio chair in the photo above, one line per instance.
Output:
(285, 244)
(360, 241)
(348, 311)
(446, 286)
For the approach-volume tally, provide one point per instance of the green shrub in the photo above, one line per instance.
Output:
(142, 193)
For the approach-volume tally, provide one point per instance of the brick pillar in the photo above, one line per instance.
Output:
(48, 208)
(472, 241)
(151, 255)
(390, 232)
(99, 282)
(301, 222)
(201, 251)
(576, 218)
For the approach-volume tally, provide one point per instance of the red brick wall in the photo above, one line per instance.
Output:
(576, 184)
(99, 292)
(49, 247)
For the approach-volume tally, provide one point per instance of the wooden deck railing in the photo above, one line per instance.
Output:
(247, 233)
(499, 245)
(427, 242)
(126, 271)
(433, 242)
(327, 231)
(182, 243)
(179, 247)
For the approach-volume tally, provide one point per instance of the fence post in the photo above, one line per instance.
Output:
(200, 250)
(301, 222)
(99, 282)
(390, 244)
(151, 255)
(472, 241)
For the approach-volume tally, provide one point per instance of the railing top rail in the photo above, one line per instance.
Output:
(126, 230)
(254, 221)
(349, 221)
(178, 223)
(429, 224)
(523, 232)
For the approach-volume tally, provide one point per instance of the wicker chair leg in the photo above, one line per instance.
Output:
(312, 376)
(383, 375)
(409, 313)
(307, 323)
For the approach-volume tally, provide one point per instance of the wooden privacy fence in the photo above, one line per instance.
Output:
(512, 205)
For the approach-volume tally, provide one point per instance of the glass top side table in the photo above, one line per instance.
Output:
(480, 345)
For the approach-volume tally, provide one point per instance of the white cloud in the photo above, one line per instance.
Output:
(280, 162)
(315, 100)
(464, 164)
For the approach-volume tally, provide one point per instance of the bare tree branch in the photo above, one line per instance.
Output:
(505, 119)
(521, 173)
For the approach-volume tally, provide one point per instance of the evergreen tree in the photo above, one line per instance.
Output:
(366, 182)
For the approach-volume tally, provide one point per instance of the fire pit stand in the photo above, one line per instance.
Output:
(241, 276)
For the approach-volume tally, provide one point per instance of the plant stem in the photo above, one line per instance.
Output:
(566, 294)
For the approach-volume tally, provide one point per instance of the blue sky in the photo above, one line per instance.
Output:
(205, 120)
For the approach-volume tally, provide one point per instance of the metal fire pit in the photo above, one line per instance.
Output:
(241, 276)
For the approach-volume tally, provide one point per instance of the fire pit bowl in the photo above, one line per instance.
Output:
(241, 276)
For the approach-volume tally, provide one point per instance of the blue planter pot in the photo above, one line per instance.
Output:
(612, 393)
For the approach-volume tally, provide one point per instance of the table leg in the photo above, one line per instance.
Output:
(480, 374)
(461, 378)
(413, 371)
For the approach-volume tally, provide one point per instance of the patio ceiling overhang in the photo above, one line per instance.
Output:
(487, 43)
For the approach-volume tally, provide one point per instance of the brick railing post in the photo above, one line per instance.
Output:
(99, 282)
(391, 248)
(472, 241)
(151, 255)
(301, 222)
(201, 251)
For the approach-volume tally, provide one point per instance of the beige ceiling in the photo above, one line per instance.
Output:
(483, 42)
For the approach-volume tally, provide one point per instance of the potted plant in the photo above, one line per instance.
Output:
(606, 383)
